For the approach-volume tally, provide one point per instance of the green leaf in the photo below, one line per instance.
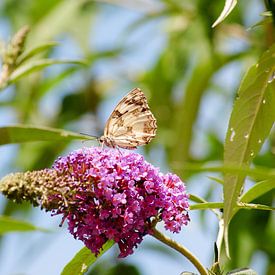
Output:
(35, 51)
(254, 206)
(258, 190)
(25, 133)
(206, 205)
(83, 259)
(228, 7)
(38, 65)
(242, 271)
(256, 172)
(251, 120)
(49, 83)
(8, 225)
(203, 204)
(63, 17)
(187, 110)
(196, 198)
(217, 180)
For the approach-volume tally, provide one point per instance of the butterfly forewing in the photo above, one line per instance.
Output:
(131, 124)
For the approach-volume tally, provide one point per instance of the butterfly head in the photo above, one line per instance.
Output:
(106, 141)
(101, 139)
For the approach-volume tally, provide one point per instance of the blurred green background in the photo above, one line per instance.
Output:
(189, 72)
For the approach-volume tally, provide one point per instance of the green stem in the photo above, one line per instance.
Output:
(185, 252)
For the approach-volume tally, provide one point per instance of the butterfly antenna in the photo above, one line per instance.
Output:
(85, 140)
(89, 135)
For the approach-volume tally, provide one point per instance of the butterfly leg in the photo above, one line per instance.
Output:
(119, 151)
(113, 145)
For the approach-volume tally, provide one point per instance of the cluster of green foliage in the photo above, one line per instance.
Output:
(182, 77)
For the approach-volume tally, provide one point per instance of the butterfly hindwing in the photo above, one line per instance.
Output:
(131, 124)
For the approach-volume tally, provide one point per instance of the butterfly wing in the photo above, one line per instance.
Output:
(131, 124)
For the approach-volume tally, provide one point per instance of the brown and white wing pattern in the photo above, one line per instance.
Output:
(131, 124)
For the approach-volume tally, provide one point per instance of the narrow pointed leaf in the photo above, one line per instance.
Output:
(255, 206)
(35, 51)
(251, 120)
(206, 205)
(23, 133)
(8, 225)
(240, 170)
(228, 7)
(242, 271)
(38, 65)
(189, 106)
(83, 259)
(201, 204)
(258, 190)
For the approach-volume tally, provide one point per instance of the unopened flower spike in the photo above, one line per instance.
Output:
(104, 194)
(10, 54)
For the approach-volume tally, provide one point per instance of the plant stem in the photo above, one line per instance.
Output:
(185, 252)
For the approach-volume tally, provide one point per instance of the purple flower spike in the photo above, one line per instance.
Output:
(117, 195)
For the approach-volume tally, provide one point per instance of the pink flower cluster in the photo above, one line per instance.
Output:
(117, 195)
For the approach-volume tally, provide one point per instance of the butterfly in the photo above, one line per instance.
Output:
(131, 124)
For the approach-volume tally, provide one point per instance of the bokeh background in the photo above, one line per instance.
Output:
(189, 72)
